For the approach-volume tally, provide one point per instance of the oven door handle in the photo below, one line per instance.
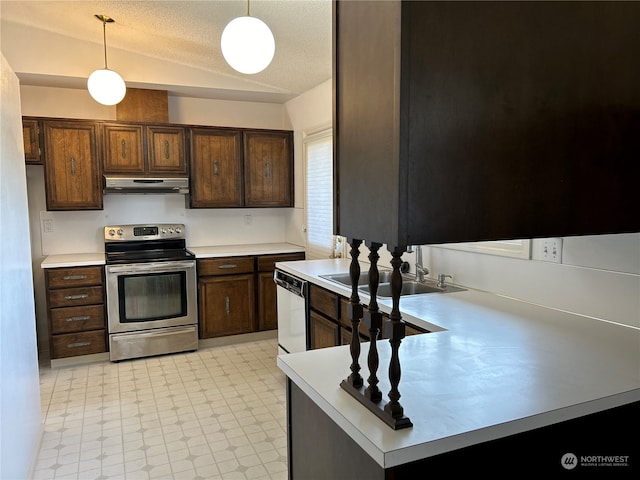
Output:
(151, 267)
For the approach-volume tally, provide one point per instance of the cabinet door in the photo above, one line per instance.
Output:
(324, 333)
(123, 149)
(268, 170)
(226, 305)
(216, 168)
(267, 302)
(31, 138)
(166, 146)
(72, 166)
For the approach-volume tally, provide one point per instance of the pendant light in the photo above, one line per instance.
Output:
(247, 44)
(106, 86)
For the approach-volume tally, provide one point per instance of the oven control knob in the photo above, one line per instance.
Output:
(111, 232)
(178, 230)
(120, 232)
(171, 231)
(163, 231)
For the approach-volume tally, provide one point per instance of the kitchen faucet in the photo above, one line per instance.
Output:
(421, 270)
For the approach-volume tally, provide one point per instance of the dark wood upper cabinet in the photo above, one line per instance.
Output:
(31, 138)
(268, 168)
(123, 149)
(468, 121)
(166, 149)
(149, 150)
(72, 165)
(216, 168)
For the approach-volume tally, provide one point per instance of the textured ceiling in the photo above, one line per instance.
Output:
(179, 35)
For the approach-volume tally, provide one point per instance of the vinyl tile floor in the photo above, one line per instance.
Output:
(218, 413)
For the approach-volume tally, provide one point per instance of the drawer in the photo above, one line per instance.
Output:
(345, 321)
(77, 319)
(267, 263)
(74, 344)
(324, 301)
(73, 277)
(225, 266)
(69, 297)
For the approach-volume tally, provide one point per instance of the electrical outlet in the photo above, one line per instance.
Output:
(547, 249)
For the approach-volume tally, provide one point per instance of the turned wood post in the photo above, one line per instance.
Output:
(373, 320)
(396, 332)
(354, 311)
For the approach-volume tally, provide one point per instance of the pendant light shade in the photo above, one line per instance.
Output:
(247, 44)
(106, 86)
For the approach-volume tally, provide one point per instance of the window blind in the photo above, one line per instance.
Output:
(318, 159)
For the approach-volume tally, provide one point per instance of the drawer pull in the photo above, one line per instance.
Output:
(228, 265)
(74, 277)
(76, 297)
(166, 149)
(78, 344)
(228, 305)
(78, 319)
(215, 168)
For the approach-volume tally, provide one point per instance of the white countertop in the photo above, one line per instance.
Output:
(73, 260)
(85, 259)
(491, 367)
(240, 250)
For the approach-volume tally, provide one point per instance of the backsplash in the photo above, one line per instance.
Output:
(599, 276)
(82, 231)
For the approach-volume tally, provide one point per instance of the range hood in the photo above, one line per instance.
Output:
(146, 185)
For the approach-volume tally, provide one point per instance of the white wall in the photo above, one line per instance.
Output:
(20, 415)
(310, 112)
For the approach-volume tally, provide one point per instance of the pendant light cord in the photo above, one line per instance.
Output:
(104, 41)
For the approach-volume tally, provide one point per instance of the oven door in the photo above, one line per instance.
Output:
(144, 296)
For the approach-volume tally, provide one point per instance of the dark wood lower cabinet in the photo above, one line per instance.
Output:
(324, 333)
(76, 311)
(329, 453)
(226, 305)
(329, 322)
(237, 294)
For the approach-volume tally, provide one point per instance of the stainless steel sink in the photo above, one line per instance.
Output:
(345, 278)
(409, 286)
(412, 287)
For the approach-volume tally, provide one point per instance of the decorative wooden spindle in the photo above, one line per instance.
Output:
(391, 413)
(396, 332)
(373, 320)
(354, 311)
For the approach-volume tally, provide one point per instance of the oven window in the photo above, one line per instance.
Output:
(153, 296)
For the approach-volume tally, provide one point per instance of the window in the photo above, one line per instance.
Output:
(318, 168)
(505, 248)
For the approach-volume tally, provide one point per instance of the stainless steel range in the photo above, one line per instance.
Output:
(151, 291)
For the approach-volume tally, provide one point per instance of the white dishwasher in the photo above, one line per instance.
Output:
(292, 312)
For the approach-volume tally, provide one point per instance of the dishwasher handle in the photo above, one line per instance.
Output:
(290, 283)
